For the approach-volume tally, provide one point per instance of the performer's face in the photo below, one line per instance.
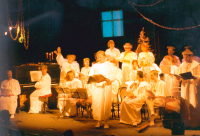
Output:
(187, 57)
(144, 49)
(44, 71)
(70, 76)
(112, 45)
(9, 74)
(101, 58)
(170, 51)
(87, 63)
(70, 59)
(152, 76)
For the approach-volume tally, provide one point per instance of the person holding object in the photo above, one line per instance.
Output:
(170, 63)
(10, 89)
(43, 87)
(126, 58)
(155, 95)
(131, 106)
(66, 65)
(189, 90)
(102, 91)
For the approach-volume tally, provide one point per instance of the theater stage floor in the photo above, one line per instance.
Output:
(51, 125)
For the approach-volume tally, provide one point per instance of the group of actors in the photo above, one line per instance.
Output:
(145, 83)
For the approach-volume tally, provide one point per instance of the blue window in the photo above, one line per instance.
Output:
(112, 23)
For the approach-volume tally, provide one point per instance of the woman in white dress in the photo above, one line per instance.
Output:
(102, 92)
(85, 71)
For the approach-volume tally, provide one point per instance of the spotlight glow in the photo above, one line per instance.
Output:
(10, 28)
(5, 33)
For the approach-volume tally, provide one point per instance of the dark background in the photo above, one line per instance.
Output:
(75, 26)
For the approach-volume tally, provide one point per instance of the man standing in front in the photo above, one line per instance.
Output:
(190, 108)
(12, 89)
(43, 87)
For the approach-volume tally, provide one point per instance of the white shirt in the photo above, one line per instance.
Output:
(12, 85)
(113, 53)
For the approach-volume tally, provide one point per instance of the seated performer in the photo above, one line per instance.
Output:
(85, 71)
(43, 87)
(126, 58)
(190, 91)
(112, 53)
(158, 89)
(102, 92)
(173, 62)
(10, 89)
(66, 65)
(131, 106)
(67, 105)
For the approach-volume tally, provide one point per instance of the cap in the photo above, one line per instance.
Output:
(170, 47)
(187, 51)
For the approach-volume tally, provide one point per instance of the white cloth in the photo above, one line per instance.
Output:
(171, 81)
(116, 84)
(126, 66)
(10, 103)
(159, 89)
(85, 71)
(130, 108)
(189, 92)
(43, 87)
(113, 53)
(65, 104)
(102, 93)
(147, 58)
(65, 67)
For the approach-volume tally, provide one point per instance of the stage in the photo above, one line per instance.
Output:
(51, 124)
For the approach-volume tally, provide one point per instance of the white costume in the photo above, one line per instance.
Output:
(70, 103)
(147, 58)
(102, 93)
(113, 53)
(189, 92)
(65, 67)
(126, 66)
(170, 81)
(130, 108)
(159, 89)
(10, 103)
(85, 71)
(43, 87)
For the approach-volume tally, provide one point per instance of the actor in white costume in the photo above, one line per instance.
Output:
(158, 87)
(170, 61)
(67, 105)
(131, 106)
(43, 87)
(126, 58)
(10, 102)
(102, 93)
(66, 65)
(112, 53)
(189, 91)
(85, 71)
(133, 71)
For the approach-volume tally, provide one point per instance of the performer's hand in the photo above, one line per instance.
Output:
(55, 52)
(59, 50)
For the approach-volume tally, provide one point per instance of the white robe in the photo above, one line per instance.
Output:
(10, 103)
(65, 104)
(65, 67)
(113, 53)
(43, 87)
(189, 92)
(102, 93)
(159, 89)
(126, 66)
(171, 81)
(130, 108)
(85, 71)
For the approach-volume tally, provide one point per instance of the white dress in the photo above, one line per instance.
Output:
(130, 108)
(65, 104)
(126, 66)
(85, 71)
(170, 81)
(102, 93)
(43, 87)
(65, 67)
(10, 103)
(190, 93)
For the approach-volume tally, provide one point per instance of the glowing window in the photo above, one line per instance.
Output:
(112, 23)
